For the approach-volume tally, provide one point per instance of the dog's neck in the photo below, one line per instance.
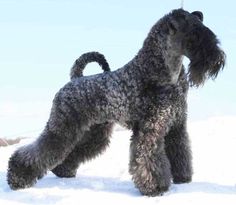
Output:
(157, 62)
(173, 64)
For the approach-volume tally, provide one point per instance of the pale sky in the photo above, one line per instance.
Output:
(40, 39)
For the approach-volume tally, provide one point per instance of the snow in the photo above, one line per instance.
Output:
(106, 180)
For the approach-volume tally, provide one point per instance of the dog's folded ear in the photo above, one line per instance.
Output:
(199, 14)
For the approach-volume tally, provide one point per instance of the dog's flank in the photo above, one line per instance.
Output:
(147, 95)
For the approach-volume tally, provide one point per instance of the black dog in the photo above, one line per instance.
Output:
(147, 95)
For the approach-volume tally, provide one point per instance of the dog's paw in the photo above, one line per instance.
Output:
(150, 184)
(64, 172)
(153, 191)
(20, 173)
(182, 179)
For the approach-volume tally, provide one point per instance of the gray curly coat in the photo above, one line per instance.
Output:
(147, 95)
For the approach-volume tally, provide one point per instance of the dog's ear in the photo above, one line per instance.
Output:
(199, 14)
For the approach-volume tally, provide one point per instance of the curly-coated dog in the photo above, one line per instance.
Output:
(147, 95)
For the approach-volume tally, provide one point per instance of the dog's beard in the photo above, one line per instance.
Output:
(206, 61)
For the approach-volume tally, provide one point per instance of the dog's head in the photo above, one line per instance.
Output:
(191, 38)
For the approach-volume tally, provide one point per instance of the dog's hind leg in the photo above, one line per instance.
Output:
(62, 132)
(94, 142)
(178, 150)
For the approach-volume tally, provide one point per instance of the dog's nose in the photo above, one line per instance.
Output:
(199, 14)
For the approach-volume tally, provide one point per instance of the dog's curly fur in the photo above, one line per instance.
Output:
(89, 148)
(147, 95)
(84, 59)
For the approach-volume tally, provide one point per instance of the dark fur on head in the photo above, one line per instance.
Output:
(198, 43)
(206, 58)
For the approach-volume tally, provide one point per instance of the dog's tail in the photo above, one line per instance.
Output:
(84, 59)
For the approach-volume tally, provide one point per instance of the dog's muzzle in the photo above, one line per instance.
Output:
(206, 59)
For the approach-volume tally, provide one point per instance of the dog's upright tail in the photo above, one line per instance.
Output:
(84, 59)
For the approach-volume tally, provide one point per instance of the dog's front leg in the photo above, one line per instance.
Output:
(178, 150)
(149, 165)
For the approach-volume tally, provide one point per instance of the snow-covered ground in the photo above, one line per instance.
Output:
(106, 179)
